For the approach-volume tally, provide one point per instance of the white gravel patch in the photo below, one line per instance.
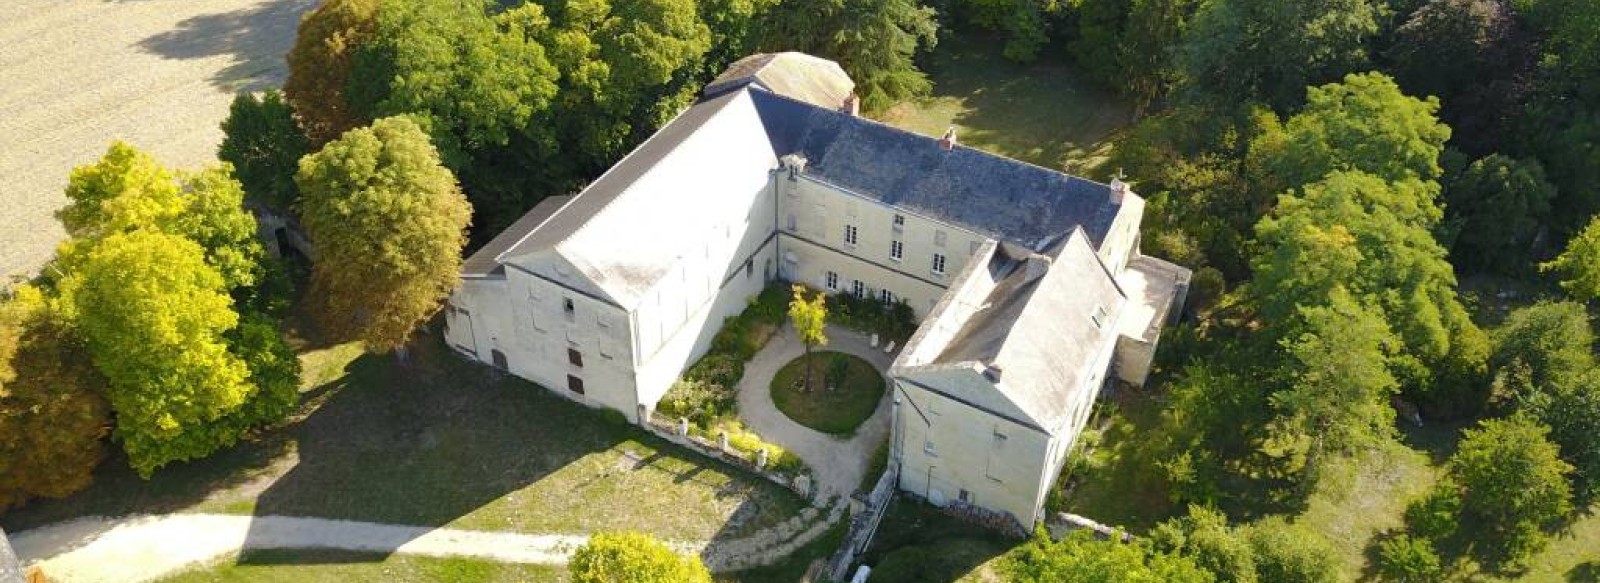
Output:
(159, 74)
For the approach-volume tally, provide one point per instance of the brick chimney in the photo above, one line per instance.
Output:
(948, 142)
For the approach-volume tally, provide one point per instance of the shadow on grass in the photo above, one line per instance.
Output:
(918, 543)
(1585, 573)
(256, 38)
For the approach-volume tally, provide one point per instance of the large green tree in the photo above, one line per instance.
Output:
(1552, 339)
(264, 144)
(1499, 205)
(320, 64)
(387, 222)
(1338, 398)
(632, 557)
(874, 40)
(1080, 557)
(1579, 264)
(153, 314)
(1513, 487)
(53, 412)
(1268, 52)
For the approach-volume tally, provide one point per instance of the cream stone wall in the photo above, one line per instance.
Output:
(813, 216)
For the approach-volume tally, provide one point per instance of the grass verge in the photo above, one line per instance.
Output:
(327, 566)
(844, 391)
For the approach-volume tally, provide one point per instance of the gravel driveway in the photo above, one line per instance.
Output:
(837, 464)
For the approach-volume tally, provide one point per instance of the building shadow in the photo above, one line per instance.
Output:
(255, 38)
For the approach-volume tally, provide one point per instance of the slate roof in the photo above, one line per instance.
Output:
(10, 571)
(1036, 327)
(995, 195)
(486, 261)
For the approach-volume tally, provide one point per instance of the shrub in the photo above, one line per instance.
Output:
(1405, 559)
(1287, 553)
(895, 321)
(631, 557)
(1436, 517)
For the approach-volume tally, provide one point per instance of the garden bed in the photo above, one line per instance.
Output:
(845, 391)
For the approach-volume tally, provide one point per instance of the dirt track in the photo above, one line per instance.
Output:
(77, 74)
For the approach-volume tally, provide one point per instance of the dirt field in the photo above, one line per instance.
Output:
(77, 74)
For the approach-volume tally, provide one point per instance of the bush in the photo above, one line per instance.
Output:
(1436, 517)
(1287, 553)
(631, 557)
(895, 321)
(1405, 559)
(746, 442)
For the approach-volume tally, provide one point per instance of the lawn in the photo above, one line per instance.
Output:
(844, 391)
(1042, 113)
(439, 441)
(323, 566)
(916, 543)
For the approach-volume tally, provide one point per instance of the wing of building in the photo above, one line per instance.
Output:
(1029, 282)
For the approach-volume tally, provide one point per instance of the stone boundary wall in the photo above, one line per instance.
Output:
(800, 484)
(866, 513)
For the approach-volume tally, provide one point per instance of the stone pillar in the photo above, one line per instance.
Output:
(722, 441)
(761, 458)
(802, 484)
(683, 427)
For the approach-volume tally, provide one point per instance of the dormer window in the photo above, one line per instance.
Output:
(899, 222)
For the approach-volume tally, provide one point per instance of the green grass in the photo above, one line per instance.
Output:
(793, 567)
(319, 566)
(916, 543)
(439, 441)
(828, 405)
(1120, 484)
(1043, 113)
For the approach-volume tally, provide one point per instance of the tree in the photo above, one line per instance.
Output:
(1407, 559)
(1268, 52)
(1339, 396)
(1203, 536)
(387, 222)
(1446, 46)
(320, 63)
(128, 190)
(1362, 124)
(1513, 484)
(1079, 557)
(1553, 339)
(809, 318)
(1501, 204)
(264, 144)
(53, 412)
(1579, 265)
(632, 557)
(1128, 44)
(153, 316)
(1292, 553)
(873, 40)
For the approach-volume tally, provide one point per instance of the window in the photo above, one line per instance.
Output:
(938, 264)
(858, 289)
(749, 268)
(575, 384)
(896, 250)
(832, 280)
(575, 357)
(794, 223)
(938, 238)
(899, 222)
(927, 448)
(885, 296)
(966, 497)
(850, 234)
(1099, 316)
(567, 305)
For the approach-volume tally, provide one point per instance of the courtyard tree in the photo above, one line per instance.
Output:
(809, 317)
(320, 63)
(153, 316)
(387, 221)
(53, 412)
(264, 144)
(1579, 265)
(633, 557)
(1513, 486)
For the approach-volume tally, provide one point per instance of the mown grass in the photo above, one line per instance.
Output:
(1043, 113)
(836, 406)
(325, 566)
(439, 441)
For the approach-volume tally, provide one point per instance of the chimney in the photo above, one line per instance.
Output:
(852, 105)
(992, 372)
(1119, 189)
(794, 163)
(948, 142)
(1036, 266)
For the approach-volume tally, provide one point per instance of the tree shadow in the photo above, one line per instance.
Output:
(256, 38)
(1584, 573)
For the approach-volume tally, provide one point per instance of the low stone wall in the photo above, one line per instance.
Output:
(678, 434)
(866, 514)
(1065, 522)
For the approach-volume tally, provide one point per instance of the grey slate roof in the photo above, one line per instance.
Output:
(1004, 198)
(486, 261)
(1037, 328)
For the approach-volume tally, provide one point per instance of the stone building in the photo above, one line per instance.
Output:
(1029, 282)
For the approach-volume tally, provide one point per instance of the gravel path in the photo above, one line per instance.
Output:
(145, 547)
(838, 464)
(158, 74)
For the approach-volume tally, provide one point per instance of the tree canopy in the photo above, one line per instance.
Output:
(387, 221)
(1579, 265)
(873, 40)
(632, 557)
(1513, 484)
(1079, 557)
(264, 143)
(320, 64)
(1268, 52)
